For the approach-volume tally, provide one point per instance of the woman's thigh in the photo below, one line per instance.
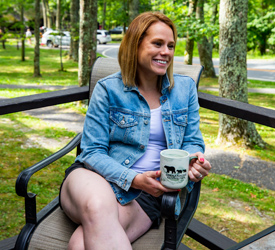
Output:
(85, 190)
(134, 220)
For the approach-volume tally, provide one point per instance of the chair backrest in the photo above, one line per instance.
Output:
(107, 66)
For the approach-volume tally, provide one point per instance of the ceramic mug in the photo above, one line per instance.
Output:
(174, 166)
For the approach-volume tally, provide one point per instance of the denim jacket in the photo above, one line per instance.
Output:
(117, 126)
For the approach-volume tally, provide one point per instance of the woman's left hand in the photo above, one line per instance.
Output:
(199, 168)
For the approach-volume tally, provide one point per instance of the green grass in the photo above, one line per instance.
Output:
(20, 72)
(18, 150)
(236, 209)
(226, 204)
(214, 82)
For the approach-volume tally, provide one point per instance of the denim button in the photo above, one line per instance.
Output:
(122, 122)
(142, 146)
(127, 162)
(146, 122)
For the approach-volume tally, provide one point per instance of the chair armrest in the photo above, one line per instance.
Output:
(176, 226)
(168, 205)
(22, 181)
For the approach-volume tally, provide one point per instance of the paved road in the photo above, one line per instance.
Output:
(256, 69)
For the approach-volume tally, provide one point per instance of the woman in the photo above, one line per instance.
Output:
(112, 190)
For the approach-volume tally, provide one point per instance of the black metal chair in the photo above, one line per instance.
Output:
(51, 229)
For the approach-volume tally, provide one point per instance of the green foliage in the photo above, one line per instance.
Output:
(261, 26)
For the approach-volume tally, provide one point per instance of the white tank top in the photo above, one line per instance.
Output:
(150, 161)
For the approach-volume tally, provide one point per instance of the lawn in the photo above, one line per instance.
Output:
(232, 207)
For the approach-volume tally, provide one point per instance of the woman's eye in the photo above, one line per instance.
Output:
(158, 44)
(171, 46)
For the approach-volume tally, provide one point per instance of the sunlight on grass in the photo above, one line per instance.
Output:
(22, 72)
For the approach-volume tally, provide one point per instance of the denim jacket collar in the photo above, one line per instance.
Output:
(165, 85)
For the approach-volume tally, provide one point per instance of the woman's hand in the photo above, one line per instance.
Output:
(148, 182)
(199, 168)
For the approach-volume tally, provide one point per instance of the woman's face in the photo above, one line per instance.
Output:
(156, 50)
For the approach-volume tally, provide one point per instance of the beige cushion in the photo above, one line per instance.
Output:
(54, 232)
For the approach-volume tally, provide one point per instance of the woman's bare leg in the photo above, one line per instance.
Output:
(134, 220)
(77, 240)
(134, 226)
(89, 200)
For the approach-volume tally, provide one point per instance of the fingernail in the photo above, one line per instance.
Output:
(202, 159)
(157, 172)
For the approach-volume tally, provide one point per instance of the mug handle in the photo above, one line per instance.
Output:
(192, 157)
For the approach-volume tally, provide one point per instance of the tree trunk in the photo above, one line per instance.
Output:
(74, 13)
(44, 10)
(49, 15)
(104, 14)
(58, 15)
(233, 73)
(87, 40)
(204, 46)
(213, 21)
(22, 33)
(188, 54)
(133, 9)
(37, 39)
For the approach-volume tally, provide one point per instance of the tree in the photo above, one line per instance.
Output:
(74, 16)
(46, 14)
(188, 54)
(22, 32)
(37, 38)
(233, 73)
(104, 14)
(205, 46)
(87, 40)
(133, 9)
(261, 25)
(58, 15)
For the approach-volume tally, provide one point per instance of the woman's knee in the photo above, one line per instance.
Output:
(98, 208)
(87, 196)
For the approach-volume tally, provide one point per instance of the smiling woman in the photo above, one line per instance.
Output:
(114, 183)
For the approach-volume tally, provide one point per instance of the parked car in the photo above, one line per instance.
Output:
(66, 39)
(52, 38)
(117, 30)
(103, 36)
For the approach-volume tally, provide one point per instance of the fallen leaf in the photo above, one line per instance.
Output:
(247, 208)
(253, 195)
(215, 190)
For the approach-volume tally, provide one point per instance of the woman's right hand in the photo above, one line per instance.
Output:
(148, 182)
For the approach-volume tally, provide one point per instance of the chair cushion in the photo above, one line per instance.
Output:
(56, 229)
(53, 232)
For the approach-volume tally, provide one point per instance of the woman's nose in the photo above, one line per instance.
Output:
(165, 50)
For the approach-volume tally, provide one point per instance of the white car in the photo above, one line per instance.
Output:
(52, 38)
(103, 36)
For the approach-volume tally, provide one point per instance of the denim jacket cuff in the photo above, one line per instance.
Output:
(126, 179)
(190, 186)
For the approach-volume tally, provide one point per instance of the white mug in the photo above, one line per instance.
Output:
(174, 166)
